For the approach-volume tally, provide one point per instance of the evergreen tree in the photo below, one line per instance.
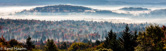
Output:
(29, 43)
(135, 39)
(64, 45)
(90, 42)
(13, 42)
(97, 42)
(111, 42)
(50, 46)
(127, 41)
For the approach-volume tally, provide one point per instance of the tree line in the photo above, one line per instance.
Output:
(152, 39)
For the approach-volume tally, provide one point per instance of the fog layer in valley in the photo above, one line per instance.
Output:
(138, 16)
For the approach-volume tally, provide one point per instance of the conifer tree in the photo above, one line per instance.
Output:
(127, 40)
(50, 46)
(97, 42)
(29, 43)
(111, 42)
(64, 45)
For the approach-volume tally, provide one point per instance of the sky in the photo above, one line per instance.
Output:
(81, 2)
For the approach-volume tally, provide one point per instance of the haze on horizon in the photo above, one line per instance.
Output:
(9, 7)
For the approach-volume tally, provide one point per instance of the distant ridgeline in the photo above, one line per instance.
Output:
(158, 13)
(67, 10)
(60, 8)
(81, 10)
(134, 9)
(61, 30)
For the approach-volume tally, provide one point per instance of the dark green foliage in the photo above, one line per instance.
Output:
(97, 42)
(111, 42)
(13, 42)
(151, 39)
(29, 43)
(64, 45)
(90, 43)
(50, 46)
(128, 40)
(134, 42)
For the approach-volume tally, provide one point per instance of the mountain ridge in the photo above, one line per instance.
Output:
(68, 10)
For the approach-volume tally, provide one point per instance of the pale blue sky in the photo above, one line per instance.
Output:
(83, 2)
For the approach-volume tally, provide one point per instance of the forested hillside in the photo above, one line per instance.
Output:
(152, 39)
(67, 30)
